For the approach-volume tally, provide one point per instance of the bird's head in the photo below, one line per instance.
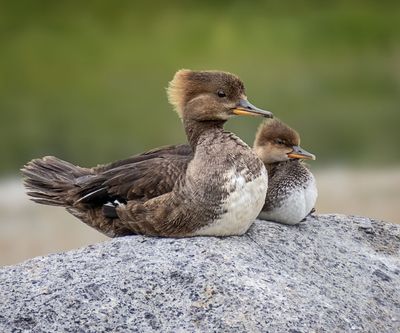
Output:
(277, 142)
(210, 96)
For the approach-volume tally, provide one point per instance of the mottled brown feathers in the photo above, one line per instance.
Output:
(51, 181)
(273, 129)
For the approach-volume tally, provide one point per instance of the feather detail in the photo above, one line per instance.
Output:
(176, 90)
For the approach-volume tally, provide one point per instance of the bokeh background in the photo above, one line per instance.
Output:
(85, 81)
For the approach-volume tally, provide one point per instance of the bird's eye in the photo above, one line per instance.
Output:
(221, 93)
(279, 142)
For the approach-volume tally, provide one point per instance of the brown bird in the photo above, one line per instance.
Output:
(218, 191)
(292, 190)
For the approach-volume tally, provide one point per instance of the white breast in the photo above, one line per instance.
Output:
(295, 207)
(242, 205)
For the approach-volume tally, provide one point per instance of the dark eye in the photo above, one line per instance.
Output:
(279, 141)
(221, 93)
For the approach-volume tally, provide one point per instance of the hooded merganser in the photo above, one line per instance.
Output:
(219, 191)
(292, 190)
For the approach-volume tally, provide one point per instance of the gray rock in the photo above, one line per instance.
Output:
(331, 273)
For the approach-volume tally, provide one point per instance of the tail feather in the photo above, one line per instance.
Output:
(52, 181)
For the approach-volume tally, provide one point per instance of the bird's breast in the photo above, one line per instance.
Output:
(295, 206)
(244, 200)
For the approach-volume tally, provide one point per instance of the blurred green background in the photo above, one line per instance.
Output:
(86, 80)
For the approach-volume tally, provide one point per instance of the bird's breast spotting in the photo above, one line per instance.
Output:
(242, 205)
(295, 206)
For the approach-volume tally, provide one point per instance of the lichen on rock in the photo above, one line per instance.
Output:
(331, 273)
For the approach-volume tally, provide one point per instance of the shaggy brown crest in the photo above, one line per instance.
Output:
(272, 130)
(188, 84)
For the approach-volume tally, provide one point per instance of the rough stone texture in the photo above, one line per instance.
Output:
(331, 273)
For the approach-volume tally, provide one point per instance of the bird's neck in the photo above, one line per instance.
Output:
(272, 168)
(196, 129)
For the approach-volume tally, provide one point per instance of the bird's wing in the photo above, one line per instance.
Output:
(165, 151)
(139, 177)
(145, 179)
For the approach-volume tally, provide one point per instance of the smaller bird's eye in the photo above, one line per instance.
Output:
(221, 93)
(279, 142)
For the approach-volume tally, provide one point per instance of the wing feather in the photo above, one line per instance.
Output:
(139, 177)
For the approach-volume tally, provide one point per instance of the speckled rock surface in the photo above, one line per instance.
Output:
(331, 273)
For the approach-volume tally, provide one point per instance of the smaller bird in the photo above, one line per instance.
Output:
(292, 190)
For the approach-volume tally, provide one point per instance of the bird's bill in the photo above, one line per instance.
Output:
(299, 152)
(245, 108)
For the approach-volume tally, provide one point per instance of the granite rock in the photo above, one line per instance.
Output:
(331, 273)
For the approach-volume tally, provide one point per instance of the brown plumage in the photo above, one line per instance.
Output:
(175, 191)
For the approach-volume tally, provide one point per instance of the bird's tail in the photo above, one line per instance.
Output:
(51, 181)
